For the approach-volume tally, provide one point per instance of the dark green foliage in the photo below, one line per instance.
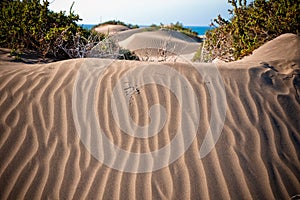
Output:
(251, 26)
(114, 22)
(30, 25)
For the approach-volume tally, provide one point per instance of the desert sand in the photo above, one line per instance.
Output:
(255, 157)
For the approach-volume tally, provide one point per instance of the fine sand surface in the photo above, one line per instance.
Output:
(256, 156)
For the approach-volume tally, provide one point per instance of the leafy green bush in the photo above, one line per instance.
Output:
(30, 25)
(251, 26)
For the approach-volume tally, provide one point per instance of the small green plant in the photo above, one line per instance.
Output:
(16, 54)
(198, 55)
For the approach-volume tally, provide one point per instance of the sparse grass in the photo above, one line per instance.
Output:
(198, 55)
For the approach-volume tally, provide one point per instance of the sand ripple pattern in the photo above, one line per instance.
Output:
(256, 156)
(131, 83)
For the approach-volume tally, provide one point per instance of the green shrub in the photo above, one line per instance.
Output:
(251, 26)
(179, 27)
(114, 22)
(176, 27)
(30, 25)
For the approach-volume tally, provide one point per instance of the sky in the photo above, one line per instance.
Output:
(145, 12)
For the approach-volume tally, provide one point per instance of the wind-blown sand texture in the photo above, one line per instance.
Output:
(256, 156)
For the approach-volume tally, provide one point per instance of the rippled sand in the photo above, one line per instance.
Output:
(255, 157)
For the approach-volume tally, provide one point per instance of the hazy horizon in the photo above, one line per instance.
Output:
(145, 12)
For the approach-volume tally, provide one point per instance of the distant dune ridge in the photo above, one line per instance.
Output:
(155, 45)
(154, 42)
(256, 156)
(110, 29)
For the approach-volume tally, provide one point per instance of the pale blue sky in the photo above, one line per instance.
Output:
(145, 12)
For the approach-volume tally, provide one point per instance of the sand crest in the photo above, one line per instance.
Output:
(110, 29)
(256, 155)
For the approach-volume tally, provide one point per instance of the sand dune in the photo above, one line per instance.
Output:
(155, 45)
(110, 29)
(44, 156)
(284, 47)
(148, 44)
